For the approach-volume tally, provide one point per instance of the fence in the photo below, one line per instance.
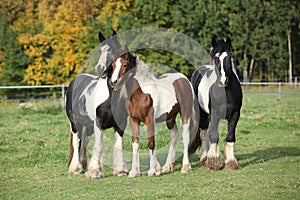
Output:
(24, 96)
(57, 92)
(278, 88)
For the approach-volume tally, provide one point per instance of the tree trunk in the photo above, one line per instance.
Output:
(245, 70)
(251, 69)
(290, 58)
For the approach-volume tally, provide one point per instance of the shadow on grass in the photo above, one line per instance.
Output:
(265, 155)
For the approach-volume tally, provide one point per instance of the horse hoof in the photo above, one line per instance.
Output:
(120, 173)
(232, 165)
(155, 172)
(202, 163)
(133, 174)
(168, 168)
(214, 164)
(76, 169)
(186, 169)
(94, 174)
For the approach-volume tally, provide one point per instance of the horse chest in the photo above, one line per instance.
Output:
(204, 87)
(95, 95)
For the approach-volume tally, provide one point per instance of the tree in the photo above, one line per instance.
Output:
(13, 60)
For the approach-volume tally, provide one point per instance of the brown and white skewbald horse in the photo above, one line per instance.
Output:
(151, 100)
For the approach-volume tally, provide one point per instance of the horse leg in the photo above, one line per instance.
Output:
(96, 164)
(85, 139)
(230, 160)
(155, 168)
(214, 161)
(203, 124)
(75, 166)
(135, 169)
(204, 148)
(119, 165)
(173, 133)
(186, 167)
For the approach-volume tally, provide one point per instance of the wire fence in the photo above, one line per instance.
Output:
(57, 92)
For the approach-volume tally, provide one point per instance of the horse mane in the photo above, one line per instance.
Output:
(142, 70)
(219, 45)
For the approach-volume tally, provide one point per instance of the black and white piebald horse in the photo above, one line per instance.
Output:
(88, 107)
(151, 100)
(220, 96)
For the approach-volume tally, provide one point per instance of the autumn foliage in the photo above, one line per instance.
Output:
(46, 41)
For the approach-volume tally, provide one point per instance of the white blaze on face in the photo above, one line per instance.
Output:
(101, 64)
(115, 74)
(223, 75)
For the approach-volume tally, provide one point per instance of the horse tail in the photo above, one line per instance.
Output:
(71, 149)
(195, 139)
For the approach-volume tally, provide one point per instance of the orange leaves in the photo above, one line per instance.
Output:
(54, 33)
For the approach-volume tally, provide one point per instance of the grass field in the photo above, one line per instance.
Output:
(34, 145)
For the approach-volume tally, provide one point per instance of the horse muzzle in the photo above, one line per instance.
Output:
(113, 83)
(223, 82)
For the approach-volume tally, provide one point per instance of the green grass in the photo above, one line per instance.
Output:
(34, 145)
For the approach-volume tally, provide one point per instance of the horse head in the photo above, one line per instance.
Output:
(123, 62)
(222, 58)
(105, 51)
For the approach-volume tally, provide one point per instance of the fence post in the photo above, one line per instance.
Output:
(63, 96)
(279, 91)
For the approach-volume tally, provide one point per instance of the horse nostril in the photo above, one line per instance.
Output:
(104, 74)
(113, 83)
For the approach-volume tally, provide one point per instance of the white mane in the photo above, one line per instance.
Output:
(142, 71)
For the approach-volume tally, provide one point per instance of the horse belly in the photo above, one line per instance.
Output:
(163, 97)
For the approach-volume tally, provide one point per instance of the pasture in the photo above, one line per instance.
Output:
(34, 150)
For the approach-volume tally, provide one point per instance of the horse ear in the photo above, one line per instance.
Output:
(214, 41)
(101, 37)
(126, 48)
(228, 42)
(114, 32)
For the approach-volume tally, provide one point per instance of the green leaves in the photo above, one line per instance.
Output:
(46, 41)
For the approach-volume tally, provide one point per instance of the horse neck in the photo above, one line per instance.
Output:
(110, 89)
(142, 71)
(132, 86)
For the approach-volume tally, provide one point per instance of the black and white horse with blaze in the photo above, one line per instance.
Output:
(88, 106)
(220, 96)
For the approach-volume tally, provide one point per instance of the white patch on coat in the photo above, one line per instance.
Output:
(96, 163)
(94, 98)
(118, 155)
(204, 87)
(170, 162)
(116, 71)
(135, 169)
(223, 74)
(102, 61)
(186, 141)
(229, 152)
(75, 165)
(155, 168)
(214, 151)
(161, 90)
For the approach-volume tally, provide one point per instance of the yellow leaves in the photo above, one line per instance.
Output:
(54, 34)
(35, 46)
(113, 9)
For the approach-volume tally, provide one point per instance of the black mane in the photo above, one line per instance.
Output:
(220, 45)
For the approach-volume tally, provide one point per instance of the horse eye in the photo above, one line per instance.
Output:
(125, 65)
